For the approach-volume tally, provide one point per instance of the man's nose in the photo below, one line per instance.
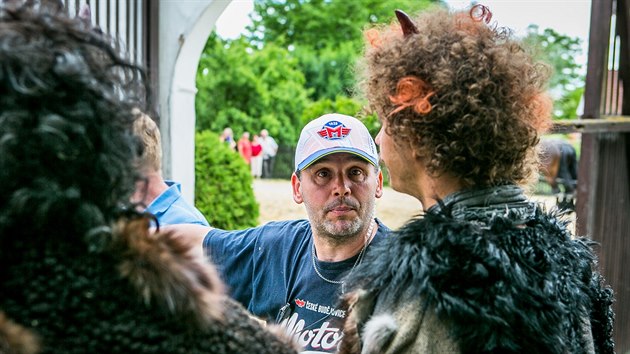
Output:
(342, 185)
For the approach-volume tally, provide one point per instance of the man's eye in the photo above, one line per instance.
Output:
(322, 173)
(356, 172)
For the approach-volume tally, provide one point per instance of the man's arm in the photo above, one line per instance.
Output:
(190, 231)
(232, 252)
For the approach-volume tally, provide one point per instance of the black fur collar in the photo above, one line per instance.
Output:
(502, 288)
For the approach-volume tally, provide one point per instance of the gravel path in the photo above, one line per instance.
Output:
(394, 209)
(276, 203)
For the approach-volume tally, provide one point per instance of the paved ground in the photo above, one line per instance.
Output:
(394, 209)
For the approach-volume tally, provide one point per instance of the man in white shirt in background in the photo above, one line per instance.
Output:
(269, 148)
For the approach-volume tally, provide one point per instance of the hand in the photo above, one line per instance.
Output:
(193, 231)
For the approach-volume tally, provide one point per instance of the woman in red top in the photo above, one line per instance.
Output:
(244, 147)
(256, 158)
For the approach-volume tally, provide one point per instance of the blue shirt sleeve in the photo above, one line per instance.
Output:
(258, 264)
(232, 252)
(171, 208)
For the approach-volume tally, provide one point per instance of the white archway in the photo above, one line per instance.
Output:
(184, 30)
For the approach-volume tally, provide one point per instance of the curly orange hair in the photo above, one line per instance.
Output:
(412, 92)
(466, 95)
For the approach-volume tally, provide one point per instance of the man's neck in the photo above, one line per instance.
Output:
(329, 250)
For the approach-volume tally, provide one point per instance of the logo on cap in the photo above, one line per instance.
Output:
(334, 130)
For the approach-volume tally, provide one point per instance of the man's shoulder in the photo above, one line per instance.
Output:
(382, 230)
(271, 230)
(296, 223)
(285, 231)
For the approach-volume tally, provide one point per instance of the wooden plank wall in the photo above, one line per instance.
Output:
(603, 200)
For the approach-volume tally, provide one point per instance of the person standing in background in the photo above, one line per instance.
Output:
(244, 147)
(160, 198)
(256, 160)
(228, 137)
(269, 150)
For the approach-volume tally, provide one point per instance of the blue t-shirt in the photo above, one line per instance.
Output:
(269, 270)
(170, 208)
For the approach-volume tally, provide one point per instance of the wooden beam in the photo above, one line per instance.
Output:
(599, 35)
(623, 29)
(601, 13)
(600, 125)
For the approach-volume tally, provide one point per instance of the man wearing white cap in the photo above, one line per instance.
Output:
(292, 272)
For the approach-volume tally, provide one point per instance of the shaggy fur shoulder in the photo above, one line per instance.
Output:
(121, 291)
(499, 287)
(168, 271)
(15, 339)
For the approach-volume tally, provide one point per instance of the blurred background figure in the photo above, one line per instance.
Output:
(244, 147)
(270, 149)
(227, 136)
(558, 166)
(256, 160)
(160, 198)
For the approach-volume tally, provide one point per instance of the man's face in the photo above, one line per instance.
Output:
(339, 192)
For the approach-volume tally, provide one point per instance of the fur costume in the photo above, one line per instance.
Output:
(495, 277)
(69, 283)
(129, 293)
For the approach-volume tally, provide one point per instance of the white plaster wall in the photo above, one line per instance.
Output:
(184, 29)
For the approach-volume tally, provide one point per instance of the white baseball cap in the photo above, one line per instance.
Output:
(332, 133)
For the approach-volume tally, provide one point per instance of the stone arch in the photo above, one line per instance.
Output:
(184, 30)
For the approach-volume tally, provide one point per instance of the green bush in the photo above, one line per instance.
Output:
(223, 185)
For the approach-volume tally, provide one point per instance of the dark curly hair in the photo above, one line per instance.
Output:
(462, 92)
(66, 143)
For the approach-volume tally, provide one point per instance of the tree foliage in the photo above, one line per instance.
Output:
(559, 51)
(329, 71)
(325, 35)
(249, 89)
(318, 24)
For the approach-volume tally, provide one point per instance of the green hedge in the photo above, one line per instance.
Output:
(223, 185)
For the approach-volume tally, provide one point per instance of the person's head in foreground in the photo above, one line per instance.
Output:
(80, 273)
(337, 176)
(462, 106)
(460, 101)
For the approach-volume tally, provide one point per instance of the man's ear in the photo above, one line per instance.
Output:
(379, 187)
(296, 186)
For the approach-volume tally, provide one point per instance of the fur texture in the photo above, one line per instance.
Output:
(67, 169)
(499, 288)
(15, 339)
(169, 271)
(130, 292)
(378, 332)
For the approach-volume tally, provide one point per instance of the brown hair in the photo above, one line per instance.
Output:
(462, 92)
(145, 128)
